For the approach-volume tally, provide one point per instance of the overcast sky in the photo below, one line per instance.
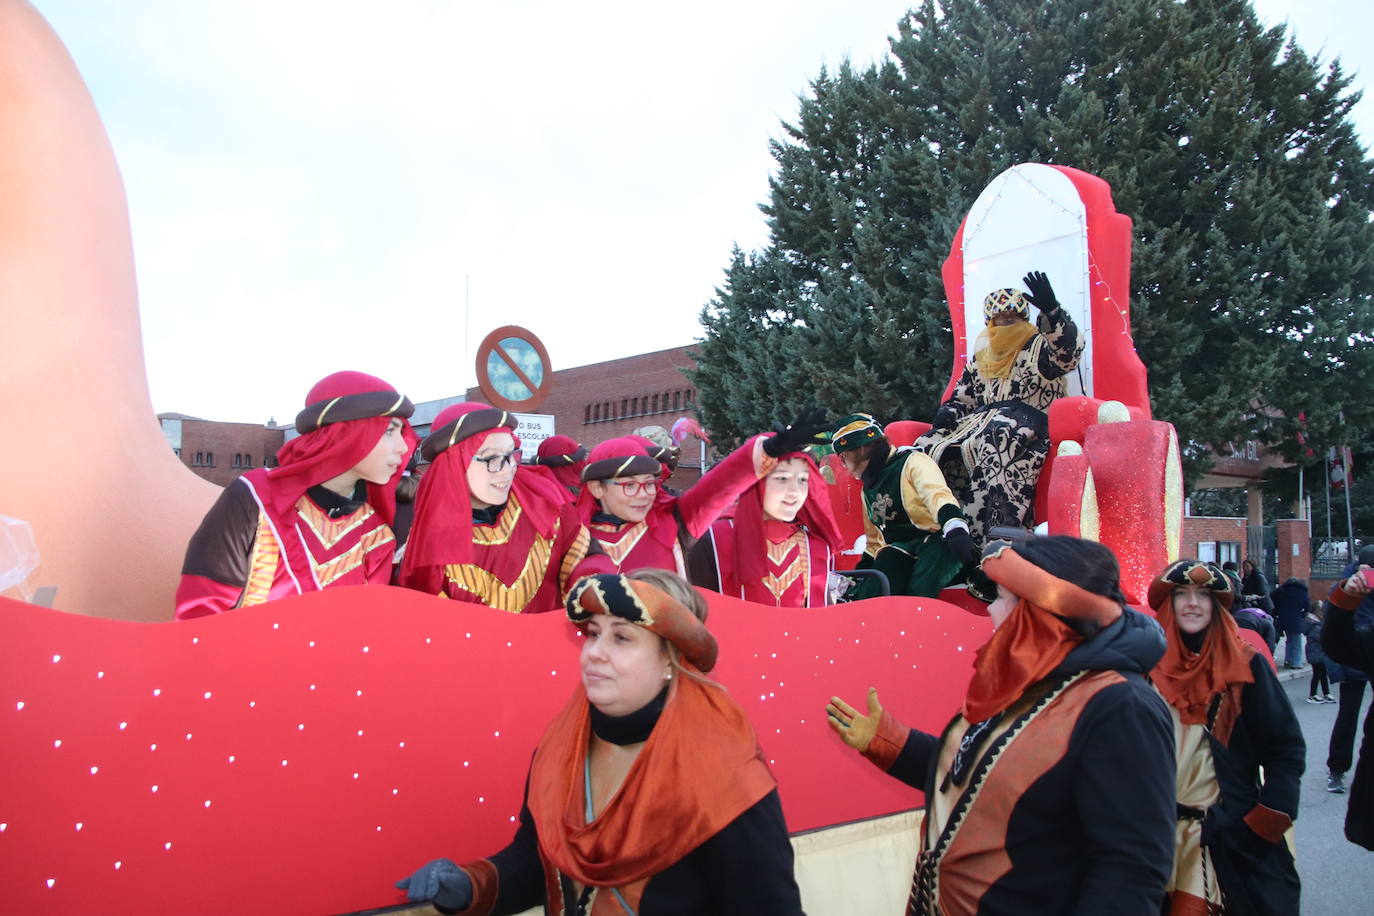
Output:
(319, 185)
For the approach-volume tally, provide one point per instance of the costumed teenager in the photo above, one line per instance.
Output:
(638, 524)
(1240, 753)
(779, 546)
(667, 456)
(565, 458)
(320, 518)
(918, 536)
(1052, 790)
(487, 530)
(648, 793)
(1348, 639)
(991, 436)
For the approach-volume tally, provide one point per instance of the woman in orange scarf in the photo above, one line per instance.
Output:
(648, 792)
(1231, 719)
(1052, 790)
(991, 436)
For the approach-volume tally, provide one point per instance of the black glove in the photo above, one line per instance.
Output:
(1041, 293)
(443, 882)
(945, 418)
(960, 544)
(798, 434)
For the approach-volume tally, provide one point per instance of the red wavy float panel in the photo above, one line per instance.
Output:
(301, 755)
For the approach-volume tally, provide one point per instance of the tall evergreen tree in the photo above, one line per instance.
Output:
(1230, 148)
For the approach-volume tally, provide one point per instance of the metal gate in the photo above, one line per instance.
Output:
(1262, 546)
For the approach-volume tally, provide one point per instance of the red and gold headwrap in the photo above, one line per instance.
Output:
(751, 539)
(1189, 680)
(647, 606)
(346, 414)
(442, 531)
(1032, 641)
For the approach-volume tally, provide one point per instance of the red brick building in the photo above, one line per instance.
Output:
(220, 452)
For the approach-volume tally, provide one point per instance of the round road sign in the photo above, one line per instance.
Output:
(513, 370)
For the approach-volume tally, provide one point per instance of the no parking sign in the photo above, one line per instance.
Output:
(513, 370)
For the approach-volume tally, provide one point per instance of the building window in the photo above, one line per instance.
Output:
(587, 414)
(238, 459)
(247, 460)
(200, 458)
(655, 407)
(677, 399)
(623, 403)
(209, 459)
(687, 399)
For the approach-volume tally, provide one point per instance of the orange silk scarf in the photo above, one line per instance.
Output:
(700, 769)
(1188, 680)
(1032, 641)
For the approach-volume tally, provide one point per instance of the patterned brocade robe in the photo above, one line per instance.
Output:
(513, 567)
(992, 456)
(236, 559)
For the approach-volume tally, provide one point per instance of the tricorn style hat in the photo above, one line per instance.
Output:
(1182, 573)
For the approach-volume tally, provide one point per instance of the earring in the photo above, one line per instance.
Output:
(668, 675)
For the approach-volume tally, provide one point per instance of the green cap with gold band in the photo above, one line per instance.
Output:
(855, 430)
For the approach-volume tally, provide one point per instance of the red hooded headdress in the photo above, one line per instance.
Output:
(751, 528)
(442, 532)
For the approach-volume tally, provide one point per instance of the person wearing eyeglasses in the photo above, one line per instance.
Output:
(322, 517)
(638, 524)
(486, 530)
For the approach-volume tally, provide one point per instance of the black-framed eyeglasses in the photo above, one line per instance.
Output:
(635, 487)
(497, 463)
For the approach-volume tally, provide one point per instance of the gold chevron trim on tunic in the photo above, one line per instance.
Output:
(574, 555)
(492, 592)
(779, 582)
(262, 564)
(493, 535)
(330, 530)
(619, 550)
(332, 570)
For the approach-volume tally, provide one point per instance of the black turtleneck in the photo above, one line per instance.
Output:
(334, 505)
(631, 728)
(1193, 641)
(487, 516)
(606, 518)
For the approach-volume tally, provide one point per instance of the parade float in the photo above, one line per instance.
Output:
(299, 756)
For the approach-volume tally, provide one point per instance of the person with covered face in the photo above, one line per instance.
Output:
(648, 792)
(487, 530)
(638, 524)
(1240, 753)
(991, 436)
(918, 536)
(1052, 789)
(779, 546)
(320, 518)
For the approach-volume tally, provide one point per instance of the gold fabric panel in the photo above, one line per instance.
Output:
(262, 564)
(491, 591)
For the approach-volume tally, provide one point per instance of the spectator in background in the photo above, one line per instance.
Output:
(1320, 689)
(1254, 587)
(1291, 602)
(1348, 638)
(320, 518)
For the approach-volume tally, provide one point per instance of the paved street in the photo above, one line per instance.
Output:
(1337, 876)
